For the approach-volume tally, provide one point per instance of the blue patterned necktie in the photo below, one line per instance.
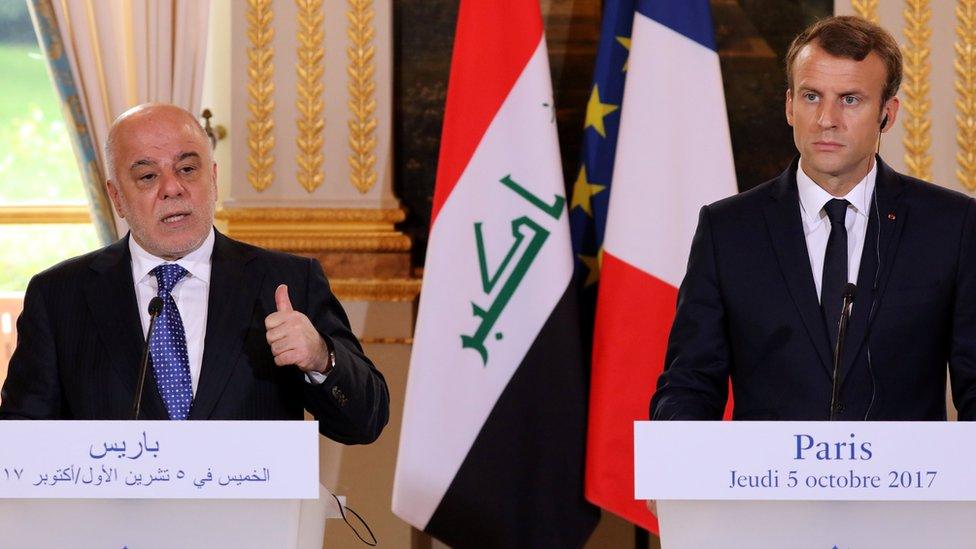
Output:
(171, 364)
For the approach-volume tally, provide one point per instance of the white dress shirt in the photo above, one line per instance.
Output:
(191, 294)
(816, 226)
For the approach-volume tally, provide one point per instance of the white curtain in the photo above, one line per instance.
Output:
(126, 52)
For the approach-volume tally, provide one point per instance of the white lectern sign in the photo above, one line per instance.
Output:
(161, 484)
(890, 461)
(159, 459)
(809, 484)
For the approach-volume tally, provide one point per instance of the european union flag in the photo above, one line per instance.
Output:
(591, 189)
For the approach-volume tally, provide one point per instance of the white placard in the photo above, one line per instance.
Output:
(775, 460)
(159, 459)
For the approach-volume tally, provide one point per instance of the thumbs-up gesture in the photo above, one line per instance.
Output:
(292, 337)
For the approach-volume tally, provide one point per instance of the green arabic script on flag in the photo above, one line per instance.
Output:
(521, 228)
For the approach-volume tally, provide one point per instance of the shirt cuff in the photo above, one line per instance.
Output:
(315, 378)
(318, 378)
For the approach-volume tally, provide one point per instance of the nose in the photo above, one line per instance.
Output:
(828, 115)
(170, 186)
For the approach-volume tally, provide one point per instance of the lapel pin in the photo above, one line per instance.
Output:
(891, 217)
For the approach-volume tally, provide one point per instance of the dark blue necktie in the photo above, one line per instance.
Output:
(171, 364)
(835, 267)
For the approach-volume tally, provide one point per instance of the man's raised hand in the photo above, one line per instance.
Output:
(292, 337)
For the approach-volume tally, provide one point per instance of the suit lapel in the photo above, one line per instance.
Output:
(230, 307)
(893, 212)
(112, 301)
(885, 224)
(782, 215)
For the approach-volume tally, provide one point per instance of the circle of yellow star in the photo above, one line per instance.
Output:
(595, 111)
(583, 190)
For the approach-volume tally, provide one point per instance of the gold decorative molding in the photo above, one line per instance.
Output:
(309, 230)
(868, 9)
(303, 244)
(260, 90)
(965, 66)
(918, 66)
(341, 218)
(395, 289)
(43, 215)
(362, 100)
(311, 123)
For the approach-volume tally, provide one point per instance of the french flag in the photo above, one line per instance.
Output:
(673, 156)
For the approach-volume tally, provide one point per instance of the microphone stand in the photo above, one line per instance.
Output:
(845, 316)
(155, 307)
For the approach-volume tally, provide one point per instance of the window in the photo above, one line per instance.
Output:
(43, 214)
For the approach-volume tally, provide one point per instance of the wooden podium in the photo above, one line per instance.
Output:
(809, 484)
(161, 484)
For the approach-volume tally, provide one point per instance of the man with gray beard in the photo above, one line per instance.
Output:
(244, 333)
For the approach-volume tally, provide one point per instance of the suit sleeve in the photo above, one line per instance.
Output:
(694, 384)
(32, 389)
(352, 404)
(962, 354)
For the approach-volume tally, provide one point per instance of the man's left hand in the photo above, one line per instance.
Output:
(293, 339)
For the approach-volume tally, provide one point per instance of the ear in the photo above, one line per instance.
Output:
(789, 107)
(213, 179)
(113, 193)
(891, 111)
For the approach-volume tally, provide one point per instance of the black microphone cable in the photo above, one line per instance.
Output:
(874, 295)
(342, 511)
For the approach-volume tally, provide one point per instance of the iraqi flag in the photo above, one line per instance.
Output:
(673, 156)
(493, 437)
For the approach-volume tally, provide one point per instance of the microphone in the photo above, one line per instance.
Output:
(845, 316)
(155, 307)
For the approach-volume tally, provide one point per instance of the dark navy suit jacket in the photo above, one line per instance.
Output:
(80, 340)
(748, 309)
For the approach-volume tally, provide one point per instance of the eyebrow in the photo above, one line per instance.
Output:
(185, 155)
(802, 89)
(150, 163)
(142, 162)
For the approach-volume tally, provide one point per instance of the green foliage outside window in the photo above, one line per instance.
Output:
(37, 165)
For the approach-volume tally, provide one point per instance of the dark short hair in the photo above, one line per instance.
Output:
(852, 38)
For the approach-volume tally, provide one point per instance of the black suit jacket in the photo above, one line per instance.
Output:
(748, 309)
(80, 340)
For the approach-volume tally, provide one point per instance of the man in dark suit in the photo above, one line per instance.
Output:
(761, 299)
(243, 333)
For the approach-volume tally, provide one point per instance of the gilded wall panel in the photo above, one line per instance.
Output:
(935, 134)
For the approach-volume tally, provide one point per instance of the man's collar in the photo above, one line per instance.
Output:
(196, 262)
(813, 196)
